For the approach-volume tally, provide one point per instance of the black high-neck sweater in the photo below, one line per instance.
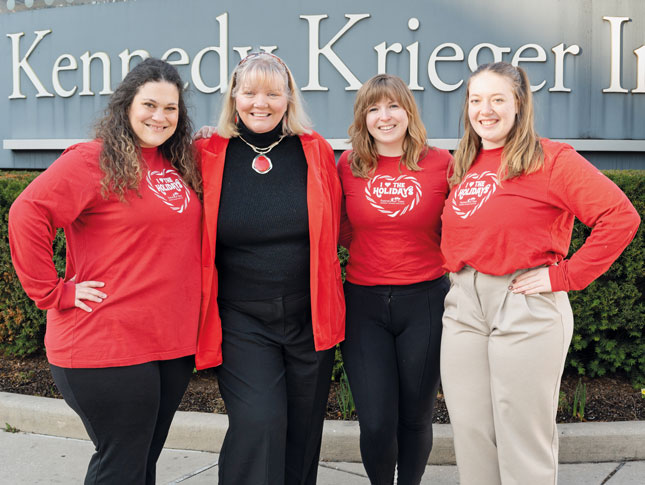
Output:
(263, 225)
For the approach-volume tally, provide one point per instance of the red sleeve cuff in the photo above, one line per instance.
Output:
(68, 296)
(557, 277)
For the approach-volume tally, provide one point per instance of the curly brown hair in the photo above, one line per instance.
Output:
(120, 158)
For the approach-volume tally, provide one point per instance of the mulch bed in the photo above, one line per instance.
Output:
(608, 398)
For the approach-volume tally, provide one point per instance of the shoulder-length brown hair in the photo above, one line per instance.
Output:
(262, 68)
(522, 151)
(120, 158)
(364, 157)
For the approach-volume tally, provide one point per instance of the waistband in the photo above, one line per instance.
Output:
(469, 271)
(399, 289)
(283, 298)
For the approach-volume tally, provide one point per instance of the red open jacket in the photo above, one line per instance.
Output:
(323, 201)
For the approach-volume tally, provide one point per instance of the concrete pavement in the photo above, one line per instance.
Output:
(52, 447)
(39, 459)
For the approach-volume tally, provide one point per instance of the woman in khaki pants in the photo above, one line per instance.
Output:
(506, 231)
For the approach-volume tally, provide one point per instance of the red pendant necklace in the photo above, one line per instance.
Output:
(261, 163)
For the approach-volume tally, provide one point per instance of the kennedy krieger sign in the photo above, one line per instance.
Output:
(444, 52)
(586, 60)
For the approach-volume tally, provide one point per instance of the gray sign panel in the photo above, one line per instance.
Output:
(586, 61)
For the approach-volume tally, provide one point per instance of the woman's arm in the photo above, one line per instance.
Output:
(598, 203)
(346, 230)
(54, 199)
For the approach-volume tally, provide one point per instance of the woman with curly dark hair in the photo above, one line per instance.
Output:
(121, 325)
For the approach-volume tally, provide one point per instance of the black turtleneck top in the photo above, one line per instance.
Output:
(263, 225)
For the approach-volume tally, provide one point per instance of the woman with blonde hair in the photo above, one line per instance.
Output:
(272, 307)
(507, 325)
(122, 324)
(395, 186)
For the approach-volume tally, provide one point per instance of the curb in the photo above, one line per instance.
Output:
(579, 442)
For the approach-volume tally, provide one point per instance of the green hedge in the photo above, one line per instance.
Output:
(22, 325)
(609, 314)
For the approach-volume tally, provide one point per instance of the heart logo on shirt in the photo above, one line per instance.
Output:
(393, 196)
(170, 188)
(473, 192)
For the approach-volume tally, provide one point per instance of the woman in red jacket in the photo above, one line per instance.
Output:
(272, 300)
(507, 325)
(121, 325)
(395, 187)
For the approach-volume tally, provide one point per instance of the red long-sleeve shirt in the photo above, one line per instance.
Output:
(391, 224)
(147, 251)
(527, 221)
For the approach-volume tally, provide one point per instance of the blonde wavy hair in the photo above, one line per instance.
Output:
(120, 158)
(364, 157)
(522, 153)
(264, 69)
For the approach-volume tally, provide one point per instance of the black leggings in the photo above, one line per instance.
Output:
(127, 412)
(391, 355)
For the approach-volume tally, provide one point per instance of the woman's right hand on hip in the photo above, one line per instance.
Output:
(86, 290)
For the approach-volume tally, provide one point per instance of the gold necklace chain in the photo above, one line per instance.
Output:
(262, 151)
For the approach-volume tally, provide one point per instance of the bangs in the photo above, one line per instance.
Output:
(380, 92)
(263, 75)
(382, 89)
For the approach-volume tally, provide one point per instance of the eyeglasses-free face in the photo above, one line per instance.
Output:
(491, 108)
(387, 122)
(261, 106)
(154, 113)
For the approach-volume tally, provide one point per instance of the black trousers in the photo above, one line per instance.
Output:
(275, 387)
(127, 413)
(391, 355)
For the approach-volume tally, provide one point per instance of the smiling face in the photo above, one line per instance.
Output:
(261, 105)
(387, 122)
(491, 108)
(154, 113)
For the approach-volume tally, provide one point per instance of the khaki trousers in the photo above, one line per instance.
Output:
(502, 357)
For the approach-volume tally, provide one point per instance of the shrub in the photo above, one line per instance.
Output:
(22, 325)
(610, 312)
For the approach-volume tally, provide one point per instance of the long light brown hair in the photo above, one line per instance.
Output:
(522, 151)
(260, 69)
(120, 158)
(364, 157)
